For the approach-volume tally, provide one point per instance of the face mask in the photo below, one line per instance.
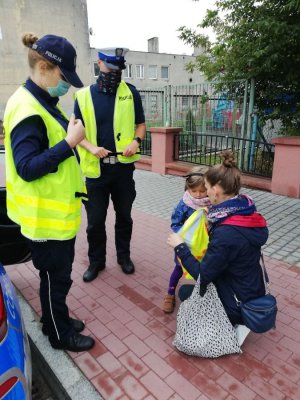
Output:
(59, 90)
(109, 81)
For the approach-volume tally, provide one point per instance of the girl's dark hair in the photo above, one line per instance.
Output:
(194, 178)
(227, 174)
(28, 39)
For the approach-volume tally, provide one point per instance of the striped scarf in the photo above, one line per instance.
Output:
(237, 205)
(194, 203)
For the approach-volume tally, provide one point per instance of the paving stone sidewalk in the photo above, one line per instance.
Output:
(134, 358)
(158, 194)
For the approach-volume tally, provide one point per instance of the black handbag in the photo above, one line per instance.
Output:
(259, 315)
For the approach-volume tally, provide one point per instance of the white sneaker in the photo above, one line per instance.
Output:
(241, 332)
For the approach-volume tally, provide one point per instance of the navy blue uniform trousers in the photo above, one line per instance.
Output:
(116, 181)
(54, 259)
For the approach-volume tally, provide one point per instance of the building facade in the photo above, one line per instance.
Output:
(154, 70)
(162, 80)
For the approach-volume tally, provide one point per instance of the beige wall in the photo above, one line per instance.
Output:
(66, 18)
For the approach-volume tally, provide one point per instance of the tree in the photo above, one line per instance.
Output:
(254, 39)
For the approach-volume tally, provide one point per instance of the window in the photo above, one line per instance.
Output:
(96, 69)
(139, 71)
(127, 73)
(164, 72)
(152, 72)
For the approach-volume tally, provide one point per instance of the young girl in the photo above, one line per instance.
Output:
(195, 197)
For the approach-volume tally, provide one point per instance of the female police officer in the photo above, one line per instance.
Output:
(114, 120)
(43, 179)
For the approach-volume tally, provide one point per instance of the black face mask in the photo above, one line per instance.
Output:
(109, 81)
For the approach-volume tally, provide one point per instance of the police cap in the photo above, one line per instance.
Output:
(113, 57)
(59, 51)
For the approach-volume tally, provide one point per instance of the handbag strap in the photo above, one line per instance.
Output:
(262, 265)
(265, 279)
(265, 275)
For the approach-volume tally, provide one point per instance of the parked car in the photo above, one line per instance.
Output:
(15, 358)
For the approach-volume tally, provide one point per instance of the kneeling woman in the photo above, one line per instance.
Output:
(237, 232)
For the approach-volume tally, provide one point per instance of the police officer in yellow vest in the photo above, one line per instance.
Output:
(44, 181)
(112, 113)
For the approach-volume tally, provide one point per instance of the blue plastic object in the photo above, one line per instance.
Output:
(15, 359)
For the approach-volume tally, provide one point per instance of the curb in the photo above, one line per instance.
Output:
(62, 375)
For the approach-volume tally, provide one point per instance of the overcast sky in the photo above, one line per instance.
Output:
(130, 23)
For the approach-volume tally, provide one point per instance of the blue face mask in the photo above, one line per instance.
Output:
(59, 90)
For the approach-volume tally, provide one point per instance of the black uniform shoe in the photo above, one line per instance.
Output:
(78, 326)
(92, 272)
(76, 342)
(126, 265)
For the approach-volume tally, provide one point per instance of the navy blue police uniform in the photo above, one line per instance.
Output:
(33, 159)
(116, 181)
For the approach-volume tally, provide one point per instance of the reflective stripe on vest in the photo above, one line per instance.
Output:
(124, 127)
(195, 235)
(46, 208)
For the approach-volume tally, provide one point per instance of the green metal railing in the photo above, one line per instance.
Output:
(146, 145)
(252, 156)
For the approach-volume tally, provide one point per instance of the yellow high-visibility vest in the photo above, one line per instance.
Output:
(124, 127)
(46, 208)
(195, 235)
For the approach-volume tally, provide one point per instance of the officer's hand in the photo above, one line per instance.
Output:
(131, 149)
(174, 240)
(75, 133)
(100, 152)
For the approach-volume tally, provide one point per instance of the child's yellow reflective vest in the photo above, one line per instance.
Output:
(195, 235)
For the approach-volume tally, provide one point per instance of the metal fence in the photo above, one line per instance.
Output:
(154, 106)
(197, 108)
(252, 156)
(146, 145)
(211, 121)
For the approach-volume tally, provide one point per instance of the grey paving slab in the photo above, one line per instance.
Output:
(158, 194)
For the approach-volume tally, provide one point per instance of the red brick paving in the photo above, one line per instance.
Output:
(134, 357)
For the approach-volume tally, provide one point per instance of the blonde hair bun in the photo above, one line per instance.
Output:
(29, 38)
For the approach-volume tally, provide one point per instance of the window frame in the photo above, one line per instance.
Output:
(141, 68)
(161, 74)
(129, 71)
